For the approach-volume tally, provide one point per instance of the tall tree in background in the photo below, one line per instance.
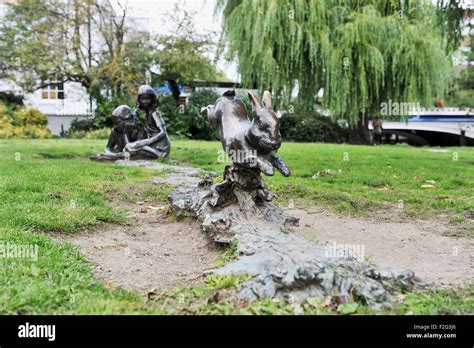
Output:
(362, 53)
(83, 41)
(87, 41)
(183, 55)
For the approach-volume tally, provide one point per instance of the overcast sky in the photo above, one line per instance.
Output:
(204, 20)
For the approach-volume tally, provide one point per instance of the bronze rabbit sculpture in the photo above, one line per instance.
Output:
(252, 147)
(251, 144)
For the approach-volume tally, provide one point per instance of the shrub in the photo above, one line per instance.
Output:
(22, 123)
(30, 117)
(181, 121)
(199, 127)
(103, 114)
(188, 121)
(174, 115)
(311, 128)
(101, 133)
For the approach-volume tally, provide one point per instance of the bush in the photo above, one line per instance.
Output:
(174, 115)
(22, 123)
(103, 114)
(311, 128)
(188, 121)
(101, 133)
(6, 109)
(30, 117)
(199, 127)
(462, 99)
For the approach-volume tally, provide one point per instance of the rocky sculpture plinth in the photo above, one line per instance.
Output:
(280, 263)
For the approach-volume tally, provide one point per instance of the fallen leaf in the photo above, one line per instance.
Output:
(348, 308)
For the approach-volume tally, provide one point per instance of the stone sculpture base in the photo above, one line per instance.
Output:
(238, 210)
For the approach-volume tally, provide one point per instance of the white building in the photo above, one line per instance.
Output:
(62, 104)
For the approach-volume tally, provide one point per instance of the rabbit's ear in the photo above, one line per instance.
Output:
(255, 102)
(229, 93)
(267, 99)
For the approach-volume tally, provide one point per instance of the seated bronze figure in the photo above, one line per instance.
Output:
(130, 138)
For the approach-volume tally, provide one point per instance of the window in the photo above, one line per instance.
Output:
(53, 91)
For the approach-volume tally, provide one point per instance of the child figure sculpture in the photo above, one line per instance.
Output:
(130, 138)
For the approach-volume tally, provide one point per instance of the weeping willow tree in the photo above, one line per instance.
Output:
(362, 53)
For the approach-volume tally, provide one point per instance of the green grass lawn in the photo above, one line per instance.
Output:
(364, 178)
(50, 186)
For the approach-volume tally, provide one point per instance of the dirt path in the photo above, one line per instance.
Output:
(416, 245)
(153, 252)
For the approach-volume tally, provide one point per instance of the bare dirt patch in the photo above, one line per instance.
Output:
(154, 251)
(151, 252)
(419, 245)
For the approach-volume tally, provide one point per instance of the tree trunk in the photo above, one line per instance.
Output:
(359, 132)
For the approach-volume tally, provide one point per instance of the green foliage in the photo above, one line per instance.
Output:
(182, 121)
(461, 99)
(231, 252)
(124, 61)
(21, 122)
(103, 115)
(308, 127)
(462, 93)
(199, 126)
(187, 121)
(223, 282)
(183, 60)
(6, 109)
(361, 53)
(100, 133)
(173, 114)
(182, 56)
(457, 301)
(30, 117)
(63, 51)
